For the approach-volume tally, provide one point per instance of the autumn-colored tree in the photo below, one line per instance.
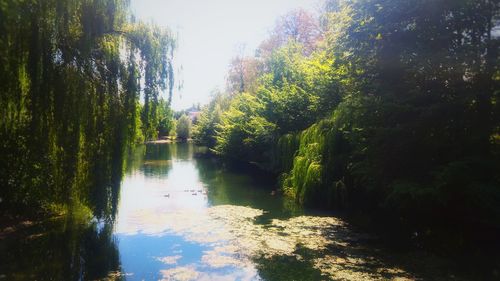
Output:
(299, 26)
(243, 74)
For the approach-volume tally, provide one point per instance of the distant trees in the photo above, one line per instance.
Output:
(243, 74)
(298, 26)
(183, 127)
(204, 132)
(165, 118)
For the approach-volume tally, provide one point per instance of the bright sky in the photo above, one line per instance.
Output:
(210, 33)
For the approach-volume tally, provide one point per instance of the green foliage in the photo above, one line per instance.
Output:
(317, 171)
(136, 134)
(173, 130)
(155, 47)
(183, 127)
(285, 151)
(242, 133)
(165, 118)
(298, 90)
(205, 129)
(394, 109)
(70, 75)
(413, 136)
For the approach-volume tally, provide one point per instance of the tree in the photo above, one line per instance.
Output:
(242, 132)
(392, 107)
(204, 131)
(183, 127)
(243, 74)
(165, 118)
(298, 26)
(70, 74)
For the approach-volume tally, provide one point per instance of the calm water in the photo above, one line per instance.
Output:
(182, 217)
(167, 224)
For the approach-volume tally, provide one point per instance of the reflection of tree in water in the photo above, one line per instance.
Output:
(105, 187)
(184, 151)
(157, 161)
(158, 152)
(243, 186)
(60, 249)
(134, 158)
(71, 247)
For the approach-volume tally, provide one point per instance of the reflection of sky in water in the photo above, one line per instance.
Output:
(166, 227)
(142, 255)
(173, 191)
(157, 200)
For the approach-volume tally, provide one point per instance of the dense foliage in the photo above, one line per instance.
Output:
(71, 75)
(204, 130)
(165, 118)
(393, 107)
(183, 127)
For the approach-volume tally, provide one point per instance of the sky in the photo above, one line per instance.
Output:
(209, 34)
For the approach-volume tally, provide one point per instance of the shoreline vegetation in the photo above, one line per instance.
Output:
(379, 109)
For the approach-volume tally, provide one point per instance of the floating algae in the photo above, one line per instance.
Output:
(235, 240)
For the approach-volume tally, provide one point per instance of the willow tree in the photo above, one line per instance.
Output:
(70, 84)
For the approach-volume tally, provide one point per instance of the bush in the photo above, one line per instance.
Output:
(183, 127)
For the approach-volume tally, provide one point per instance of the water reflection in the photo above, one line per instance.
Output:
(185, 218)
(181, 217)
(162, 201)
(74, 247)
(60, 249)
(244, 187)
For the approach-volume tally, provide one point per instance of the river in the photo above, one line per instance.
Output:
(184, 217)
